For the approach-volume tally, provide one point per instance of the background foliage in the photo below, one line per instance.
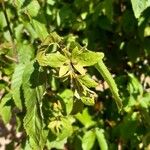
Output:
(41, 99)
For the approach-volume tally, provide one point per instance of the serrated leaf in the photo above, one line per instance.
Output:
(16, 84)
(88, 58)
(33, 123)
(53, 60)
(25, 52)
(101, 139)
(139, 6)
(100, 66)
(88, 140)
(87, 81)
(5, 108)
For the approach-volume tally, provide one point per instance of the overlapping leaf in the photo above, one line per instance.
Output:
(16, 84)
(33, 123)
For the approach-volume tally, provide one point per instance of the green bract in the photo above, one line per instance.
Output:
(71, 61)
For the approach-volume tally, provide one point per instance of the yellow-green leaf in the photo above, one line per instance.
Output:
(87, 81)
(53, 60)
(88, 58)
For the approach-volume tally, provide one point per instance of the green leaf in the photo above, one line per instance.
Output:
(100, 66)
(51, 39)
(88, 58)
(87, 81)
(62, 128)
(16, 85)
(25, 52)
(56, 144)
(63, 70)
(139, 6)
(85, 118)
(87, 100)
(80, 69)
(134, 86)
(145, 101)
(53, 60)
(31, 8)
(40, 29)
(101, 139)
(3, 22)
(30, 30)
(33, 123)
(108, 9)
(5, 108)
(76, 49)
(67, 96)
(88, 140)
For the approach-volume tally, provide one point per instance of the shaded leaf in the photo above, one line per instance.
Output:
(5, 108)
(16, 84)
(67, 96)
(33, 123)
(62, 128)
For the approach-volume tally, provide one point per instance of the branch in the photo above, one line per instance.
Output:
(9, 29)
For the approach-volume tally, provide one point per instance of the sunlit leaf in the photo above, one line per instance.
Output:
(88, 140)
(87, 81)
(53, 60)
(85, 118)
(139, 6)
(85, 58)
(101, 139)
(63, 70)
(100, 66)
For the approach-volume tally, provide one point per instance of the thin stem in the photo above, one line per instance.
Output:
(9, 29)
(10, 58)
